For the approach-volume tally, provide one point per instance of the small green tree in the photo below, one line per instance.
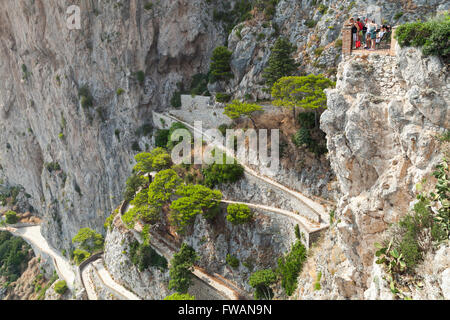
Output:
(196, 199)
(239, 213)
(222, 173)
(305, 92)
(163, 186)
(11, 217)
(281, 63)
(261, 281)
(88, 240)
(181, 268)
(290, 265)
(220, 64)
(155, 160)
(61, 287)
(134, 182)
(180, 296)
(80, 255)
(161, 138)
(238, 109)
(232, 261)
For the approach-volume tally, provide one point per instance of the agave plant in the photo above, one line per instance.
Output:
(390, 257)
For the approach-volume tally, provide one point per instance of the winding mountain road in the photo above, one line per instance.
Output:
(316, 212)
(33, 236)
(65, 270)
(167, 250)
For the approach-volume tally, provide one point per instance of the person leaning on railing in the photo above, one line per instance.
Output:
(351, 23)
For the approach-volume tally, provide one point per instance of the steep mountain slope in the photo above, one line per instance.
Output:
(76, 105)
(43, 65)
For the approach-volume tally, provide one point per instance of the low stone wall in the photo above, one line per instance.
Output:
(254, 190)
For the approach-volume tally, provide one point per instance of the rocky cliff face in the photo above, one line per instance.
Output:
(381, 124)
(74, 160)
(43, 65)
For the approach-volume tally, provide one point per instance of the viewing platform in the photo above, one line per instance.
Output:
(386, 46)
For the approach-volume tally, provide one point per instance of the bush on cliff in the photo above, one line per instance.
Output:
(239, 214)
(432, 36)
(61, 287)
(290, 265)
(180, 296)
(182, 265)
(88, 240)
(11, 217)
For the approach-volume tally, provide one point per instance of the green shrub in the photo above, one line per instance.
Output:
(223, 97)
(445, 137)
(144, 256)
(155, 160)
(223, 129)
(175, 101)
(310, 23)
(195, 199)
(317, 285)
(323, 9)
(88, 240)
(86, 98)
(318, 51)
(11, 217)
(302, 138)
(307, 120)
(232, 261)
(289, 267)
(297, 232)
(222, 173)
(180, 296)
(199, 84)
(148, 6)
(161, 138)
(163, 186)
(134, 182)
(432, 36)
(144, 130)
(338, 43)
(136, 147)
(220, 64)
(61, 287)
(140, 76)
(239, 214)
(181, 267)
(53, 166)
(261, 281)
(398, 15)
(119, 91)
(109, 220)
(80, 255)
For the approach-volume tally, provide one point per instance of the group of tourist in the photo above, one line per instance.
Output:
(366, 32)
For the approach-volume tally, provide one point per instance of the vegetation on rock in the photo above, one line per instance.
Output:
(181, 267)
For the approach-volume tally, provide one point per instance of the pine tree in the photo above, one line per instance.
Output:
(304, 92)
(281, 63)
(220, 64)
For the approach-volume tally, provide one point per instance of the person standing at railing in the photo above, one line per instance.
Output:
(351, 23)
(372, 30)
(360, 27)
